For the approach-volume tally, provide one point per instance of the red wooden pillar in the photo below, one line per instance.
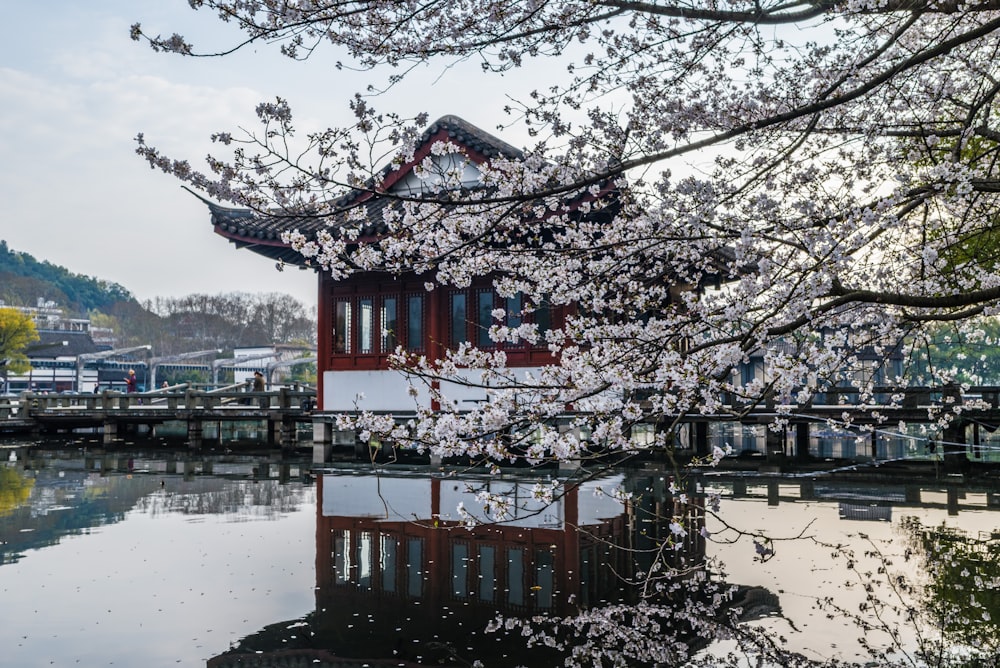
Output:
(436, 571)
(435, 330)
(569, 567)
(324, 542)
(324, 333)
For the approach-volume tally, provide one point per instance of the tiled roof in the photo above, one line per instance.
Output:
(262, 233)
(49, 345)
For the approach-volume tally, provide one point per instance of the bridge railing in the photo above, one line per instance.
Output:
(175, 398)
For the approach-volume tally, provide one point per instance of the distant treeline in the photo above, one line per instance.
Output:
(225, 321)
(171, 326)
(23, 280)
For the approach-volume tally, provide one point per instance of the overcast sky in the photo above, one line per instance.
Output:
(76, 90)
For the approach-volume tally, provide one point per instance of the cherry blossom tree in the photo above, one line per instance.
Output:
(832, 165)
(749, 174)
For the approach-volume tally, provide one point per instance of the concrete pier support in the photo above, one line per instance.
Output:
(110, 431)
(322, 441)
(195, 432)
(287, 433)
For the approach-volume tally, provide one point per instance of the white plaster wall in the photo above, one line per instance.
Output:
(388, 391)
(369, 390)
(366, 496)
(397, 497)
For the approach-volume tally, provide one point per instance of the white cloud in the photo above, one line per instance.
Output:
(77, 90)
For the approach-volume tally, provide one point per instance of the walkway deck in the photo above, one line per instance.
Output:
(111, 412)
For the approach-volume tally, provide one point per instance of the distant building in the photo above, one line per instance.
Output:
(54, 363)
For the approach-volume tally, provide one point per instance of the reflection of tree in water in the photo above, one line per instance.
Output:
(15, 489)
(242, 498)
(674, 599)
(941, 614)
(961, 596)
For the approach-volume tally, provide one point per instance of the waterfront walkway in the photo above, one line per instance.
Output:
(112, 412)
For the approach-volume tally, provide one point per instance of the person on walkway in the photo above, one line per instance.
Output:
(130, 382)
(258, 381)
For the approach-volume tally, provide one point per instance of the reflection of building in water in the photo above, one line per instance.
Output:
(400, 577)
(400, 538)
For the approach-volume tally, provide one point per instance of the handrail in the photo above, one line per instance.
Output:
(157, 400)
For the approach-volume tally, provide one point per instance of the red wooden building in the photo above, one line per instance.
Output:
(364, 317)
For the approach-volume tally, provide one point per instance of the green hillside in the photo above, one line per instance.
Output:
(23, 280)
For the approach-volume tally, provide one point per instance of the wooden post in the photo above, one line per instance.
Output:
(110, 431)
(322, 441)
(773, 493)
(802, 440)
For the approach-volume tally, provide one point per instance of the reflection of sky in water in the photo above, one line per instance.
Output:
(173, 578)
(803, 568)
(114, 569)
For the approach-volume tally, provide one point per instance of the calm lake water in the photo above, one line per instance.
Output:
(149, 557)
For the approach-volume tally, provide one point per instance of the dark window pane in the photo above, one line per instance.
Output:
(342, 557)
(544, 579)
(414, 567)
(513, 309)
(487, 573)
(364, 560)
(459, 319)
(484, 319)
(543, 318)
(515, 576)
(388, 563)
(342, 328)
(366, 324)
(415, 322)
(389, 324)
(460, 570)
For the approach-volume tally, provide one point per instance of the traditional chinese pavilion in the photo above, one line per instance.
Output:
(364, 317)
